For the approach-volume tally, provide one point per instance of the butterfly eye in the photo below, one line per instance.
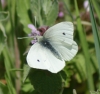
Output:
(63, 33)
(45, 43)
(38, 60)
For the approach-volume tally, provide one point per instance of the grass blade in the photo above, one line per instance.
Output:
(95, 34)
(8, 66)
(85, 49)
(97, 8)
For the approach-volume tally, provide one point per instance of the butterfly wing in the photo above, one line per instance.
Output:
(36, 57)
(56, 64)
(60, 36)
(42, 58)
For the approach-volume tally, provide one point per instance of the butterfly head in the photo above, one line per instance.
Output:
(42, 29)
(37, 33)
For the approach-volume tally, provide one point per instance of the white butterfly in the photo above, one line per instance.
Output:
(54, 48)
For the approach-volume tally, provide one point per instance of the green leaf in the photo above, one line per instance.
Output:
(11, 8)
(45, 82)
(10, 85)
(50, 10)
(26, 72)
(27, 87)
(3, 37)
(36, 10)
(22, 12)
(65, 75)
(45, 11)
(3, 89)
(79, 64)
(8, 65)
(4, 15)
(66, 3)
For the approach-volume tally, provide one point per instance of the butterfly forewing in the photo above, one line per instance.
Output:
(60, 37)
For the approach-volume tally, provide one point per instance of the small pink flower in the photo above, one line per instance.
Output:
(34, 41)
(3, 3)
(61, 14)
(61, 10)
(34, 33)
(34, 30)
(86, 5)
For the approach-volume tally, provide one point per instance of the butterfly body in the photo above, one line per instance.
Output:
(45, 43)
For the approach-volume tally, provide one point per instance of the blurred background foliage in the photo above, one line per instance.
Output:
(80, 76)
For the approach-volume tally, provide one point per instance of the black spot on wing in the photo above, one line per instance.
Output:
(38, 60)
(63, 33)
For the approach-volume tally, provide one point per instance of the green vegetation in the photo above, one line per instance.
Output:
(80, 76)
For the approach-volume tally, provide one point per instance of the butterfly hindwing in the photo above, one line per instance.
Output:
(42, 58)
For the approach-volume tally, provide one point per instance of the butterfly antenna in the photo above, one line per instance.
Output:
(25, 37)
(35, 20)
